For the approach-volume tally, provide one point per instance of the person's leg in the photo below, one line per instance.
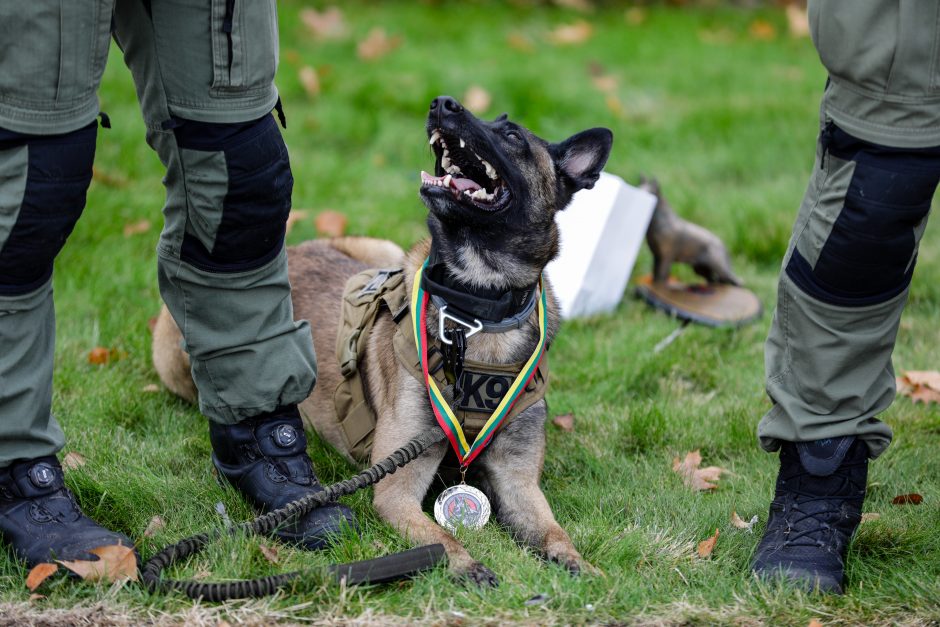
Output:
(47, 146)
(828, 356)
(204, 74)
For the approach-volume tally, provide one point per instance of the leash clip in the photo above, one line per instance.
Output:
(472, 327)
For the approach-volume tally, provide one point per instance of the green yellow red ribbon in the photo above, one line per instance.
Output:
(466, 452)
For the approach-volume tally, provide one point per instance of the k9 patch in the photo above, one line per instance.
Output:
(480, 391)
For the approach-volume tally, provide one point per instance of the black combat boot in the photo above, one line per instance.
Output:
(817, 508)
(40, 519)
(266, 459)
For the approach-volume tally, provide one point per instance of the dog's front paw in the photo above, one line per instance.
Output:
(479, 574)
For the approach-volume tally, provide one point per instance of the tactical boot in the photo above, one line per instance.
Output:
(40, 519)
(816, 509)
(266, 459)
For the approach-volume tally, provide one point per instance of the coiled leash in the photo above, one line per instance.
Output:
(383, 569)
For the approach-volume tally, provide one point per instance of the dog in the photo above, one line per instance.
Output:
(673, 239)
(492, 203)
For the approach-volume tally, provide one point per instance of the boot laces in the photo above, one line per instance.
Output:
(807, 526)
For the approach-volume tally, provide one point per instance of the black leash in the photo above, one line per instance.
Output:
(388, 568)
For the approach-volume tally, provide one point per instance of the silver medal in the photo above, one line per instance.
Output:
(461, 506)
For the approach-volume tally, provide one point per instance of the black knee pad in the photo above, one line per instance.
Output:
(59, 171)
(256, 206)
(869, 255)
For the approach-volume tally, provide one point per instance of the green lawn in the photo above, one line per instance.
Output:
(726, 121)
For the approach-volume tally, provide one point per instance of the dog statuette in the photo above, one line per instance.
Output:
(461, 506)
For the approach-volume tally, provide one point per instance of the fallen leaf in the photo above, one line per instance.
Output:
(695, 477)
(73, 460)
(309, 80)
(705, 547)
(136, 228)
(105, 178)
(520, 41)
(797, 20)
(295, 216)
(150, 388)
(571, 34)
(635, 16)
(930, 378)
(155, 525)
(748, 526)
(477, 99)
(907, 499)
(116, 562)
(815, 623)
(762, 30)
(925, 395)
(377, 44)
(99, 356)
(615, 105)
(331, 223)
(565, 422)
(869, 516)
(604, 83)
(36, 597)
(269, 552)
(719, 36)
(326, 24)
(39, 574)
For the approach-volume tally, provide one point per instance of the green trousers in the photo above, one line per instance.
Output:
(850, 259)
(204, 72)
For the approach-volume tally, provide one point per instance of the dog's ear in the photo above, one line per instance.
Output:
(580, 158)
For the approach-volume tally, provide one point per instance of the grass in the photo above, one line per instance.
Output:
(726, 121)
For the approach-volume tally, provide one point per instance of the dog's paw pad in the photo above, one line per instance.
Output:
(481, 576)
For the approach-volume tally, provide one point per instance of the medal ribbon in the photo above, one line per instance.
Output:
(466, 453)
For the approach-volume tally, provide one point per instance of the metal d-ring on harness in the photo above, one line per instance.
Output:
(371, 571)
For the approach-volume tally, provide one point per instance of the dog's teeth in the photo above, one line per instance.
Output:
(454, 169)
(446, 181)
(490, 170)
(463, 144)
(434, 137)
(479, 194)
(445, 162)
(467, 192)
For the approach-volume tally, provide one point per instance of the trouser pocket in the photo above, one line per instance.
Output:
(244, 44)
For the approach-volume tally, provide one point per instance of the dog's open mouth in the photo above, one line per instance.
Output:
(468, 176)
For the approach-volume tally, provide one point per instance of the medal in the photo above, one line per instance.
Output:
(461, 506)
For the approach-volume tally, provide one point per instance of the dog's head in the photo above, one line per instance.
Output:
(495, 191)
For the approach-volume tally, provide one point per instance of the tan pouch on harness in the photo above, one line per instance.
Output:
(365, 297)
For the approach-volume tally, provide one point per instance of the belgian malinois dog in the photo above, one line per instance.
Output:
(492, 203)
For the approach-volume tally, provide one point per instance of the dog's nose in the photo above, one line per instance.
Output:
(445, 105)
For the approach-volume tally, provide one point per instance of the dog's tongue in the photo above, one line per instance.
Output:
(458, 184)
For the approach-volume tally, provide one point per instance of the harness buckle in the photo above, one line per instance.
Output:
(472, 327)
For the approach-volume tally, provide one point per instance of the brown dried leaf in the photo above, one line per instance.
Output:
(929, 378)
(99, 356)
(565, 422)
(584, 6)
(907, 499)
(477, 99)
(39, 574)
(635, 16)
(571, 34)
(815, 623)
(136, 228)
(377, 44)
(762, 30)
(737, 522)
(116, 562)
(924, 394)
(604, 83)
(106, 178)
(269, 552)
(520, 41)
(797, 20)
(309, 80)
(150, 388)
(869, 516)
(331, 223)
(295, 216)
(695, 477)
(705, 547)
(155, 525)
(73, 460)
(326, 24)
